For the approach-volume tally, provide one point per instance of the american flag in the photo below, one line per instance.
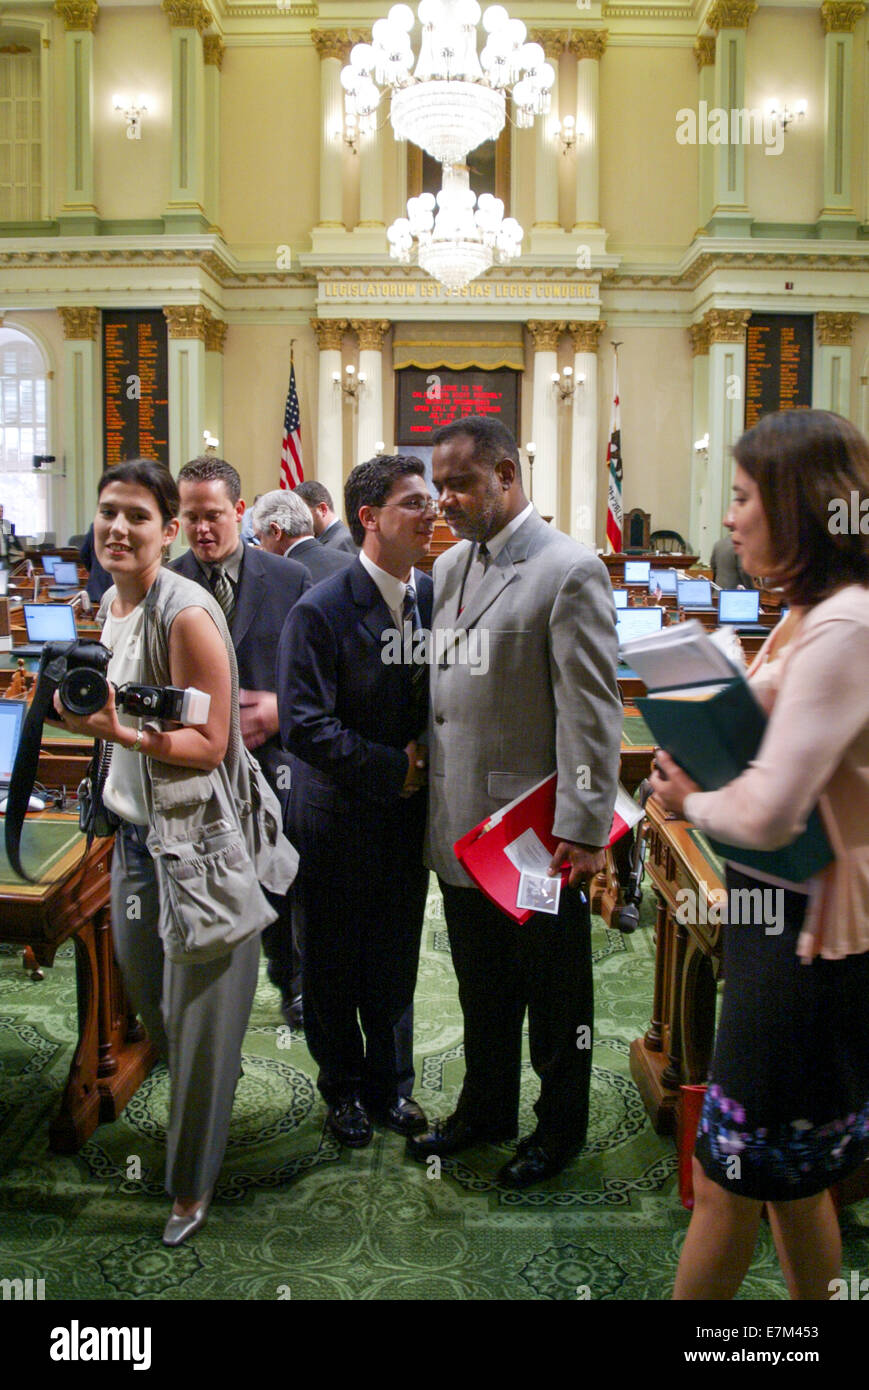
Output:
(614, 469)
(292, 472)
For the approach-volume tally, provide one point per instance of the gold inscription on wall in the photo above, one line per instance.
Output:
(535, 291)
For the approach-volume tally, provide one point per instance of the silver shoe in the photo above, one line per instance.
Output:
(178, 1228)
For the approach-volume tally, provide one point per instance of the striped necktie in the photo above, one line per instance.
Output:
(418, 669)
(222, 590)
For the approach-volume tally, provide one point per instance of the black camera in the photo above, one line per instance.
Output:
(79, 671)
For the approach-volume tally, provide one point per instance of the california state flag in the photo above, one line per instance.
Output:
(614, 469)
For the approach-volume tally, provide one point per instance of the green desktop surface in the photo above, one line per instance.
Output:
(44, 841)
(699, 839)
(636, 732)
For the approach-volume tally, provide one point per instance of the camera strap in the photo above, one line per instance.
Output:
(27, 759)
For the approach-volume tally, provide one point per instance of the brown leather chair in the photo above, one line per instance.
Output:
(635, 531)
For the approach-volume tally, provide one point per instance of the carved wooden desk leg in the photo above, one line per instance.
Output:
(653, 1038)
(672, 1073)
(698, 1013)
(108, 1062)
(78, 1116)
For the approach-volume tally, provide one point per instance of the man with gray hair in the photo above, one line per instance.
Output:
(284, 525)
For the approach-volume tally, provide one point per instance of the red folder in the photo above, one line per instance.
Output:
(481, 852)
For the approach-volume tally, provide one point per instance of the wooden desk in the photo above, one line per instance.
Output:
(658, 560)
(113, 1054)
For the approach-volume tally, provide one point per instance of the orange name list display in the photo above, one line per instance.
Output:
(136, 397)
(778, 368)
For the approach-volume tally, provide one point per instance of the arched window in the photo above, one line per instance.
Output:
(23, 432)
(20, 128)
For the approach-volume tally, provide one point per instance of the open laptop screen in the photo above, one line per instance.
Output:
(11, 723)
(66, 572)
(637, 572)
(638, 622)
(620, 597)
(665, 580)
(694, 593)
(738, 606)
(4, 583)
(49, 622)
(49, 562)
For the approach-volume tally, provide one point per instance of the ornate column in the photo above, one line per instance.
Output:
(831, 370)
(215, 338)
(187, 394)
(583, 438)
(186, 210)
(333, 47)
(704, 54)
(697, 521)
(369, 421)
(589, 46)
(729, 19)
(546, 153)
(330, 433)
(838, 217)
(82, 432)
(213, 49)
(78, 216)
(726, 328)
(544, 334)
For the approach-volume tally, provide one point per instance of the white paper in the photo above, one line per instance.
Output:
(528, 854)
(539, 894)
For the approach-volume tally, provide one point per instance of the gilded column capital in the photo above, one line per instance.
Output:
(588, 43)
(78, 14)
(730, 14)
(187, 14)
(726, 325)
(330, 333)
(704, 51)
(213, 49)
(835, 330)
(545, 334)
(586, 334)
(80, 322)
(215, 333)
(187, 320)
(699, 335)
(337, 43)
(370, 332)
(840, 16)
(553, 42)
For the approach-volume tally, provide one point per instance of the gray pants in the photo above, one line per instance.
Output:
(196, 1016)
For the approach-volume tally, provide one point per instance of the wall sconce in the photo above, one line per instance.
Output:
(353, 385)
(785, 115)
(351, 131)
(379, 446)
(565, 133)
(531, 451)
(566, 387)
(132, 113)
(210, 443)
(701, 446)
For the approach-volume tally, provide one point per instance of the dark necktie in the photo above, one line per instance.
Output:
(475, 576)
(418, 669)
(222, 590)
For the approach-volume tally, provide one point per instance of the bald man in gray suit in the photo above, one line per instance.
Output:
(533, 612)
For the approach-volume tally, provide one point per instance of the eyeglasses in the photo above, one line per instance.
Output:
(415, 504)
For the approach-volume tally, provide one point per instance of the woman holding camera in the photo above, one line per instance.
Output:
(187, 908)
(786, 1113)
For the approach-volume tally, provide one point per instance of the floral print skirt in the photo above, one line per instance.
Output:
(786, 1112)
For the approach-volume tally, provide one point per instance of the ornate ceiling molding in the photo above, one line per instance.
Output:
(78, 14)
(730, 14)
(370, 332)
(213, 49)
(841, 16)
(699, 335)
(187, 320)
(588, 43)
(835, 330)
(704, 52)
(554, 42)
(586, 335)
(337, 43)
(187, 14)
(329, 333)
(545, 333)
(726, 325)
(81, 322)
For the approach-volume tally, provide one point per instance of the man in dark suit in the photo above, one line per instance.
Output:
(283, 525)
(329, 529)
(351, 711)
(256, 592)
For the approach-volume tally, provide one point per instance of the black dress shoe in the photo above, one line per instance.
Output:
(530, 1164)
(348, 1120)
(404, 1117)
(450, 1136)
(291, 1010)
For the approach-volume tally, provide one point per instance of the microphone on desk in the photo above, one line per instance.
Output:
(81, 600)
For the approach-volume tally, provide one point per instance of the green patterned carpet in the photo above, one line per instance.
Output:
(295, 1216)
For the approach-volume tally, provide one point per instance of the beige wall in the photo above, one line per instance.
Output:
(131, 177)
(256, 365)
(784, 60)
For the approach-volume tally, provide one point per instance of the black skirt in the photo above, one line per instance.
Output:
(786, 1112)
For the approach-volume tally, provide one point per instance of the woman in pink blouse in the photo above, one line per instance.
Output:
(786, 1112)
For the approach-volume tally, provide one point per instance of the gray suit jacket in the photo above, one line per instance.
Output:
(541, 632)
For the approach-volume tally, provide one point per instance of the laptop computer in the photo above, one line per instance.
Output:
(637, 572)
(12, 714)
(620, 596)
(665, 580)
(694, 593)
(46, 622)
(739, 607)
(49, 562)
(638, 622)
(66, 576)
(4, 583)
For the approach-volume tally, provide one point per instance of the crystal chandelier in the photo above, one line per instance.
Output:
(461, 240)
(454, 100)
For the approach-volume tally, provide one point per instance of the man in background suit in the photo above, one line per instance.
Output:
(545, 701)
(351, 713)
(283, 524)
(256, 592)
(328, 528)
